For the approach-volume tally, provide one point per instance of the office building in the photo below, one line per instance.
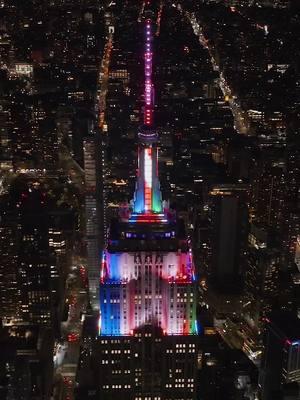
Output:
(26, 364)
(10, 305)
(228, 238)
(281, 361)
(148, 345)
(92, 222)
(262, 275)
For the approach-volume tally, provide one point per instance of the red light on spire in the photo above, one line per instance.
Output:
(148, 94)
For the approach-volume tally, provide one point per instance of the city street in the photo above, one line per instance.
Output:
(66, 353)
(240, 118)
(103, 81)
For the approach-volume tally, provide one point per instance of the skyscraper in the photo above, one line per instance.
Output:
(281, 362)
(147, 345)
(262, 275)
(10, 304)
(229, 225)
(92, 231)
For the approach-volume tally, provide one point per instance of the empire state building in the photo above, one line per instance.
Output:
(147, 346)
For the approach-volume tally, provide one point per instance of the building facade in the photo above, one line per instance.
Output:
(92, 225)
(280, 368)
(228, 239)
(148, 345)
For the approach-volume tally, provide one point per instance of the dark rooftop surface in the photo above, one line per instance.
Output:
(287, 323)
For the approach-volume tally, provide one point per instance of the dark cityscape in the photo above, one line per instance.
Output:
(149, 199)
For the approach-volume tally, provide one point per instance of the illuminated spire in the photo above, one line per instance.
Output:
(147, 198)
(149, 92)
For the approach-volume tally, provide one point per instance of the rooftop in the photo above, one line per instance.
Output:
(287, 324)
